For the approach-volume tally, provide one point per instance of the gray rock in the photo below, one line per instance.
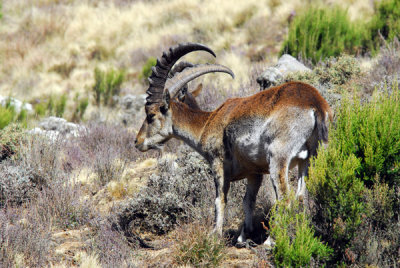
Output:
(17, 104)
(133, 103)
(274, 75)
(131, 106)
(54, 127)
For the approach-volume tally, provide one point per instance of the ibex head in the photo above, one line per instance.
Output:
(157, 127)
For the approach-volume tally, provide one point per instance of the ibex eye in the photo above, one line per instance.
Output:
(150, 118)
(163, 109)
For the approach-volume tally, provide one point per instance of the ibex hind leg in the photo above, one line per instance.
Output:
(249, 200)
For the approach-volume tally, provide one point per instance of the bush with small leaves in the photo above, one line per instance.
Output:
(107, 84)
(321, 32)
(146, 69)
(196, 246)
(296, 244)
(384, 25)
(364, 144)
(183, 189)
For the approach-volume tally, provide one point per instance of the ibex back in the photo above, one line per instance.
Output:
(268, 132)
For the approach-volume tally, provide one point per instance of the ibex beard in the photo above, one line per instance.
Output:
(268, 132)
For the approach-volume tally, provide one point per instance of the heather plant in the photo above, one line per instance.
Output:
(295, 241)
(179, 192)
(146, 69)
(107, 84)
(197, 247)
(53, 106)
(24, 241)
(364, 143)
(332, 72)
(8, 115)
(106, 148)
(321, 32)
(10, 138)
(113, 248)
(385, 25)
(81, 105)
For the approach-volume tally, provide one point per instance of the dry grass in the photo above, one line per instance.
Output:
(54, 46)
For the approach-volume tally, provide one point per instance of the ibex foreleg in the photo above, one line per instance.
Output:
(222, 185)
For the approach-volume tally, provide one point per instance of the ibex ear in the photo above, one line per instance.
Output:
(197, 91)
(166, 99)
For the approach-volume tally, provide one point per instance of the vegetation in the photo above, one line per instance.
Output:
(107, 85)
(363, 154)
(322, 32)
(296, 244)
(197, 247)
(385, 26)
(93, 199)
(8, 115)
(146, 69)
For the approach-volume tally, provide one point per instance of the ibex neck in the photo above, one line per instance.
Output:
(188, 124)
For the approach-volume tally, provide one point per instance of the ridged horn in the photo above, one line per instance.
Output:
(164, 64)
(188, 74)
(179, 67)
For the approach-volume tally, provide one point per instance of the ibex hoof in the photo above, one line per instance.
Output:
(247, 244)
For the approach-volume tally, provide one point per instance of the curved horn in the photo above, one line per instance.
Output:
(164, 64)
(188, 74)
(179, 67)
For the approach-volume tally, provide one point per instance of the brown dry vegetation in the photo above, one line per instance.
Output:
(94, 200)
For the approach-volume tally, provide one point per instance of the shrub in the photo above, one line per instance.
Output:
(80, 107)
(385, 23)
(107, 84)
(332, 72)
(24, 242)
(296, 244)
(363, 144)
(9, 115)
(112, 247)
(319, 32)
(146, 69)
(17, 184)
(182, 190)
(195, 246)
(10, 138)
(53, 106)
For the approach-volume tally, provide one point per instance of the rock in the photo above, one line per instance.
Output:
(17, 104)
(131, 105)
(274, 75)
(53, 127)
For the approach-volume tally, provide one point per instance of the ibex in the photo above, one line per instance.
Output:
(268, 132)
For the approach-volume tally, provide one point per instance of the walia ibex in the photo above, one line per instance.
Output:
(268, 132)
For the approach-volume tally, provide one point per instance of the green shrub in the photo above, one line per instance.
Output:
(296, 244)
(385, 22)
(53, 106)
(146, 69)
(10, 138)
(364, 144)
(6, 116)
(319, 32)
(80, 107)
(107, 84)
(9, 115)
(60, 105)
